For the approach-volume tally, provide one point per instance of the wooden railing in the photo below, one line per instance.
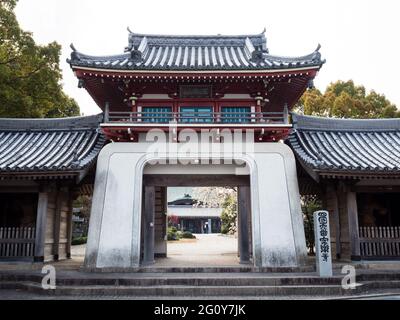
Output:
(17, 243)
(380, 242)
(198, 117)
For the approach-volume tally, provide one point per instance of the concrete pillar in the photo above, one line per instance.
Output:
(148, 225)
(209, 226)
(41, 221)
(244, 210)
(352, 213)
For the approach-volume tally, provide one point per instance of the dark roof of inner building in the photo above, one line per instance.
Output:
(325, 145)
(163, 52)
(49, 145)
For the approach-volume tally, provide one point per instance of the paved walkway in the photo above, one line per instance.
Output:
(205, 250)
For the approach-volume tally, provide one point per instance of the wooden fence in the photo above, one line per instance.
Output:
(17, 243)
(380, 242)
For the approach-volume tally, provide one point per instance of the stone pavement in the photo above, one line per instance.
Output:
(206, 250)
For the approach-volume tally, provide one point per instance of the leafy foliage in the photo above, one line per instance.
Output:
(85, 204)
(229, 215)
(79, 241)
(310, 204)
(344, 99)
(30, 75)
(174, 235)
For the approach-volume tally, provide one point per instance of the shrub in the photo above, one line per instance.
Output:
(172, 234)
(79, 241)
(187, 235)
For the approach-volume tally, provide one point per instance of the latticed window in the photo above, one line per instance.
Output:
(157, 114)
(196, 114)
(236, 114)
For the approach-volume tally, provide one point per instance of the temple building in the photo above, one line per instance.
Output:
(190, 215)
(44, 164)
(354, 167)
(197, 111)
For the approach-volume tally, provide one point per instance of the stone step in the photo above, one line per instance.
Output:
(221, 281)
(239, 269)
(209, 291)
(186, 291)
(199, 284)
(195, 279)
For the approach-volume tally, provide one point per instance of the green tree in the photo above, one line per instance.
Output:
(30, 74)
(344, 99)
(309, 205)
(229, 215)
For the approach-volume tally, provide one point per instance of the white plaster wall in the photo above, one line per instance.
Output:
(114, 234)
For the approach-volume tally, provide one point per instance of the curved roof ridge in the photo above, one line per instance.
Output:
(310, 123)
(315, 55)
(149, 35)
(51, 124)
(257, 55)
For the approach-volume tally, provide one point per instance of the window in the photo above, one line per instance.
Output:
(157, 114)
(196, 114)
(236, 114)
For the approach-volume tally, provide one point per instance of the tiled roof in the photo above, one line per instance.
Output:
(49, 145)
(157, 52)
(326, 145)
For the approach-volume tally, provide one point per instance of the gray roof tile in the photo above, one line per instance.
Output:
(156, 52)
(49, 145)
(348, 146)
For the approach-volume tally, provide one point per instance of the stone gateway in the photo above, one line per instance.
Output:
(197, 111)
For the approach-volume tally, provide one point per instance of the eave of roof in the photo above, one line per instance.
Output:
(195, 53)
(49, 148)
(339, 148)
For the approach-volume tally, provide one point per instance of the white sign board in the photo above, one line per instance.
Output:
(323, 244)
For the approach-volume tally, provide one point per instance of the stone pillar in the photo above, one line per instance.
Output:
(352, 213)
(322, 243)
(209, 226)
(244, 210)
(41, 222)
(148, 225)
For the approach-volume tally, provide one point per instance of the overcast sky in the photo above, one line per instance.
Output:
(359, 38)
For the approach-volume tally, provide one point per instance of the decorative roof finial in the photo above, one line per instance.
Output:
(318, 48)
(129, 30)
(264, 31)
(74, 53)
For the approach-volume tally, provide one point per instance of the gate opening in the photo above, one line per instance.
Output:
(186, 222)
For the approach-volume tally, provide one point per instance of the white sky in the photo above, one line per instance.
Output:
(359, 38)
